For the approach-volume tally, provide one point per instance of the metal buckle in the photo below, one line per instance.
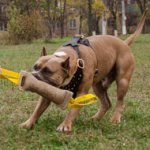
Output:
(80, 63)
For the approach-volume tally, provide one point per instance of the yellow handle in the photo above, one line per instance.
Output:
(10, 75)
(82, 101)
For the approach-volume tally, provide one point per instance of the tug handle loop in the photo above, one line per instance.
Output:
(82, 101)
(10, 75)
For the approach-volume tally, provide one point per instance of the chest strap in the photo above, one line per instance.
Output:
(74, 84)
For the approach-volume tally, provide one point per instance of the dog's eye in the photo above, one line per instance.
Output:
(46, 70)
(36, 67)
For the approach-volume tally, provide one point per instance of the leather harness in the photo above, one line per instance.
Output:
(74, 84)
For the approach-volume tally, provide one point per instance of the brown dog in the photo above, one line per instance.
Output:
(108, 59)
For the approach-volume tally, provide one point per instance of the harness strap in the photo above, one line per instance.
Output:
(75, 82)
(75, 43)
(78, 76)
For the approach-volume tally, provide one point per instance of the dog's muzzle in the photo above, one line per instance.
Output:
(41, 78)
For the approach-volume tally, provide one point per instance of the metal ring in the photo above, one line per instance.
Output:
(80, 63)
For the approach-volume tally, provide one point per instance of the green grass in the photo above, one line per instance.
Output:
(16, 106)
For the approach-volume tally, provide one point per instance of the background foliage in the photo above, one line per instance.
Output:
(24, 27)
(33, 19)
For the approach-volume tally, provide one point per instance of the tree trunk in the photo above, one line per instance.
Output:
(49, 19)
(63, 19)
(90, 16)
(139, 3)
(115, 21)
(80, 23)
(27, 8)
(54, 18)
(142, 7)
(97, 25)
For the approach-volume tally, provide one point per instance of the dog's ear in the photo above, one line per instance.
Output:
(66, 64)
(43, 52)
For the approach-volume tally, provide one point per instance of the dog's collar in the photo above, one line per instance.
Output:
(74, 84)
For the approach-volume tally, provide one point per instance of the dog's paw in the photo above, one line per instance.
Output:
(95, 117)
(26, 125)
(98, 115)
(115, 119)
(64, 127)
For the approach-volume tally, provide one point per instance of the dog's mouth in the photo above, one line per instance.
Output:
(49, 81)
(52, 82)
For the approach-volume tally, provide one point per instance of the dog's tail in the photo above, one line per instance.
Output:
(132, 37)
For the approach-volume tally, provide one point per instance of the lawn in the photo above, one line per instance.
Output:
(133, 133)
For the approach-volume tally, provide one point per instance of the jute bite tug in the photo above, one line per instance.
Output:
(62, 98)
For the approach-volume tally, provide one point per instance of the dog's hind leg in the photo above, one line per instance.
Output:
(122, 80)
(100, 90)
(40, 108)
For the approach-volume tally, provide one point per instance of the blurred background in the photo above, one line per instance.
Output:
(23, 21)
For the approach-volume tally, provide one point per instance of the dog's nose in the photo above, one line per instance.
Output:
(35, 74)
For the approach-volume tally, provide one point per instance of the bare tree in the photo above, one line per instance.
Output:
(55, 16)
(142, 4)
(49, 18)
(63, 17)
(90, 16)
(112, 5)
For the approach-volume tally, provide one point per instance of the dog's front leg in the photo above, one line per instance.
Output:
(66, 125)
(40, 108)
(84, 88)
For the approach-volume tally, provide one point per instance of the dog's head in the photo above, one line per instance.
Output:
(52, 69)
